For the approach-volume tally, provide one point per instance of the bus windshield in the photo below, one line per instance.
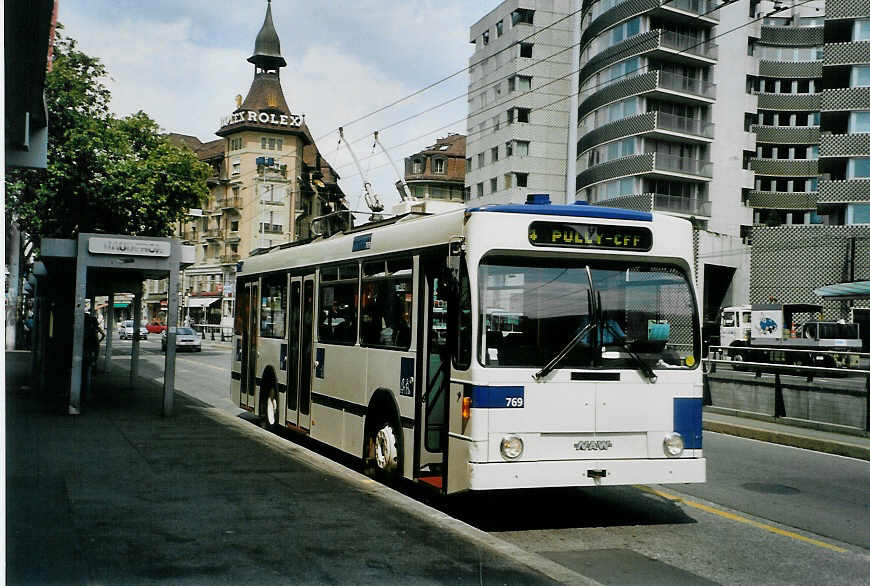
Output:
(530, 310)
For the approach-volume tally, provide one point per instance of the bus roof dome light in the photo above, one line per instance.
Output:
(538, 199)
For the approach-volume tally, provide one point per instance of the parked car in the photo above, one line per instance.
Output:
(185, 338)
(126, 330)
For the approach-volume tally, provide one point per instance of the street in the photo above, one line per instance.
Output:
(768, 513)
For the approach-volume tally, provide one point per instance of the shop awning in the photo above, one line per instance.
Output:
(200, 301)
(855, 290)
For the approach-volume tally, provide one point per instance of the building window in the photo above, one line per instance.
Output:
(271, 144)
(521, 83)
(237, 166)
(526, 50)
(858, 167)
(235, 144)
(523, 114)
(508, 149)
(439, 166)
(468, 164)
(493, 185)
(508, 180)
(522, 179)
(521, 148)
(234, 226)
(480, 161)
(480, 189)
(235, 192)
(263, 142)
(494, 154)
(499, 28)
(861, 32)
(858, 213)
(522, 16)
(495, 123)
(417, 167)
(485, 37)
(859, 122)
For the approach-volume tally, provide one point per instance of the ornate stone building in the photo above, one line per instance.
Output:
(268, 184)
(438, 171)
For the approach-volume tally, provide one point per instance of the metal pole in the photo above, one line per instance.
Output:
(78, 341)
(110, 322)
(171, 328)
(137, 318)
(778, 401)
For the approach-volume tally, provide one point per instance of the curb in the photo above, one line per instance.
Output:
(790, 439)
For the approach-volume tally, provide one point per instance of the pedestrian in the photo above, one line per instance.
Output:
(94, 334)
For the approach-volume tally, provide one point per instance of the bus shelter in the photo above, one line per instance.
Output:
(72, 271)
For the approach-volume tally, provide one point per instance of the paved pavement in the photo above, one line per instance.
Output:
(122, 495)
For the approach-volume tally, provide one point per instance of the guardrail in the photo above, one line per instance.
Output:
(225, 333)
(791, 399)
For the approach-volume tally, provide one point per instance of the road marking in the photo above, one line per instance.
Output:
(740, 519)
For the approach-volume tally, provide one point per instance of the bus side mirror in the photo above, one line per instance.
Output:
(454, 256)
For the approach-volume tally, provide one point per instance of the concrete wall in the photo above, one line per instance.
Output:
(803, 401)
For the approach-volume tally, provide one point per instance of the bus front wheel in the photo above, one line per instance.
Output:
(383, 450)
(269, 408)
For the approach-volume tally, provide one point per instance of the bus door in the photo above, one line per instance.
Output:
(305, 351)
(434, 370)
(294, 309)
(250, 329)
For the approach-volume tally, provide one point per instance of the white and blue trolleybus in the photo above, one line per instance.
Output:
(504, 346)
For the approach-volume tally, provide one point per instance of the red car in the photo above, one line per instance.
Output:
(155, 328)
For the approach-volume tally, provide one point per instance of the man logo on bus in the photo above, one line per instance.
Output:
(767, 325)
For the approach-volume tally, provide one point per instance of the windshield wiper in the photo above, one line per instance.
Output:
(593, 323)
(644, 368)
(564, 352)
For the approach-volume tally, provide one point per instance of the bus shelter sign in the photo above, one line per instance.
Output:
(128, 247)
(598, 236)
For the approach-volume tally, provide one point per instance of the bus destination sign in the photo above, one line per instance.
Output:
(597, 236)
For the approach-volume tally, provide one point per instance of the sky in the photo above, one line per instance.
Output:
(184, 61)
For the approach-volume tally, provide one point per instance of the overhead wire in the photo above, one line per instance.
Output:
(623, 51)
(448, 77)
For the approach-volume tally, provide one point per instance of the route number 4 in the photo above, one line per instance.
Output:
(513, 401)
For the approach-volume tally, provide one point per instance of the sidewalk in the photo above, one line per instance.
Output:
(122, 495)
(778, 432)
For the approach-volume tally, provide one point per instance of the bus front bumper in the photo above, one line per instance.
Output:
(507, 475)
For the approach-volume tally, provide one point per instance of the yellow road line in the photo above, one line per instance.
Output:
(740, 519)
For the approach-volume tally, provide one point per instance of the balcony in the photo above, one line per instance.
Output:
(785, 167)
(231, 258)
(212, 234)
(703, 8)
(782, 200)
(684, 125)
(690, 45)
(687, 165)
(230, 203)
(688, 85)
(681, 205)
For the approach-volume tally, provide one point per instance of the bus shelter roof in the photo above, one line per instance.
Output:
(844, 291)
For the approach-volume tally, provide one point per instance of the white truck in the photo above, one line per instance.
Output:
(767, 332)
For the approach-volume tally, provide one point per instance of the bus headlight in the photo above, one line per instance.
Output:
(673, 444)
(511, 447)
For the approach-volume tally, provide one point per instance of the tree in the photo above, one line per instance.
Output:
(104, 174)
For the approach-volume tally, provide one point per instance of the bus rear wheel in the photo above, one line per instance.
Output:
(382, 457)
